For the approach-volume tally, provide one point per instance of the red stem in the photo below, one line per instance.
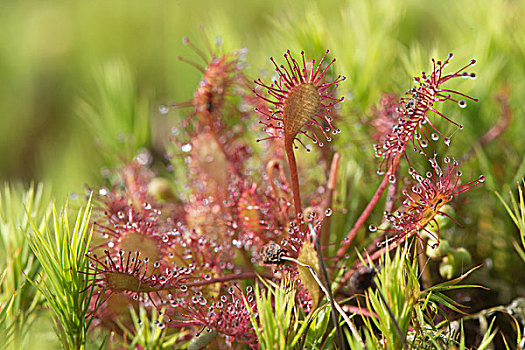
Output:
(240, 276)
(288, 146)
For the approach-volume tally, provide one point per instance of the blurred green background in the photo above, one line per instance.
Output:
(52, 51)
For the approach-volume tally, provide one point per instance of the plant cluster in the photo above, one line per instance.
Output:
(227, 241)
(241, 218)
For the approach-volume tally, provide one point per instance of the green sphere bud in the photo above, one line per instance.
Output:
(446, 270)
(161, 189)
(462, 256)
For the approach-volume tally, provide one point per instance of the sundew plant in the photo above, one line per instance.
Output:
(338, 184)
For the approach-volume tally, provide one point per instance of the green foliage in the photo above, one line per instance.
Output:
(516, 210)
(277, 313)
(61, 251)
(148, 331)
(6, 327)
(405, 315)
(18, 208)
(280, 324)
(118, 117)
(315, 327)
(398, 283)
(488, 337)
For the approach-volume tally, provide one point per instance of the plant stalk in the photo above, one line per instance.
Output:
(240, 276)
(317, 245)
(331, 300)
(288, 146)
(396, 325)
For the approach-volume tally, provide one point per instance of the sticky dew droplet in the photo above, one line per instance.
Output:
(163, 109)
